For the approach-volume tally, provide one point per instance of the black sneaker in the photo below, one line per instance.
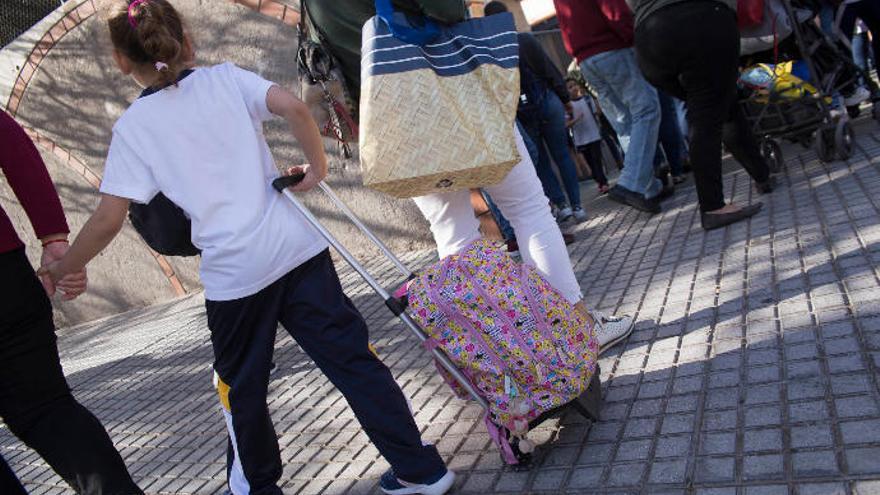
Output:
(630, 198)
(440, 484)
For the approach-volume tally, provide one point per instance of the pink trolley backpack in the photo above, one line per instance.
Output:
(523, 347)
(499, 333)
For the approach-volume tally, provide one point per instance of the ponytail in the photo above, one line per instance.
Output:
(150, 32)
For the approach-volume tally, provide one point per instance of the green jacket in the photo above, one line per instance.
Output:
(340, 23)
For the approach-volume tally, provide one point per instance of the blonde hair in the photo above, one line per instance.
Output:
(149, 32)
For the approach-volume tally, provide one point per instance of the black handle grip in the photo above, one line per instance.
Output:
(285, 181)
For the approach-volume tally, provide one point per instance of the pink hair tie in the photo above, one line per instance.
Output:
(131, 20)
(160, 66)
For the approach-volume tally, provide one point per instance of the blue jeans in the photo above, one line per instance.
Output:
(670, 133)
(631, 105)
(547, 130)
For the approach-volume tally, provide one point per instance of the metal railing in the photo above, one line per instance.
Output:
(17, 16)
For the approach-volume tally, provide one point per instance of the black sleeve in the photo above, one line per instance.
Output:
(542, 66)
(446, 11)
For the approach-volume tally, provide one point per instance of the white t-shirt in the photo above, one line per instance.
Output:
(202, 145)
(585, 130)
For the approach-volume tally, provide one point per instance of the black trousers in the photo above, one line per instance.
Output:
(35, 400)
(699, 65)
(311, 306)
(9, 484)
(592, 153)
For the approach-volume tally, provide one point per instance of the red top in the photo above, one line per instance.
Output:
(27, 174)
(590, 27)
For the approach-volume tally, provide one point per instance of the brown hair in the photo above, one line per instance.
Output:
(149, 32)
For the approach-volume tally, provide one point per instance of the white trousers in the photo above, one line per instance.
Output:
(521, 199)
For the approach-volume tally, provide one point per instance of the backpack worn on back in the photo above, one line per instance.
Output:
(164, 226)
(520, 342)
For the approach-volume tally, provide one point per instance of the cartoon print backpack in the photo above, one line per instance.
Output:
(520, 342)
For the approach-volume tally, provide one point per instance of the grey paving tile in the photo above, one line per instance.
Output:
(811, 436)
(713, 469)
(718, 443)
(815, 463)
(765, 439)
(767, 490)
(626, 474)
(665, 472)
(864, 431)
(585, 478)
(863, 460)
(866, 487)
(822, 489)
(762, 467)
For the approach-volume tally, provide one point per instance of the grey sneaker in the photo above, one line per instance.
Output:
(612, 329)
(563, 214)
(579, 214)
(859, 95)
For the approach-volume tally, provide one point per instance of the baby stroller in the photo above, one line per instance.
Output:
(794, 103)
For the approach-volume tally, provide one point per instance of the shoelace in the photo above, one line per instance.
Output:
(599, 318)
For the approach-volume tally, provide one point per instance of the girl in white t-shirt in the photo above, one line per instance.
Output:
(196, 136)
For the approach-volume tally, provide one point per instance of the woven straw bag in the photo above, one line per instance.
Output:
(437, 104)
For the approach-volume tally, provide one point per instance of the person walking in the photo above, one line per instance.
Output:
(585, 132)
(543, 108)
(519, 195)
(35, 399)
(262, 262)
(699, 66)
(598, 34)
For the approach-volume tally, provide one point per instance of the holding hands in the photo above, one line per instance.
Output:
(51, 275)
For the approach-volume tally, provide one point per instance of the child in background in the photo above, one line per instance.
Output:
(196, 136)
(585, 131)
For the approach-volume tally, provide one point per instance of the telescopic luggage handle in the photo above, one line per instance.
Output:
(396, 306)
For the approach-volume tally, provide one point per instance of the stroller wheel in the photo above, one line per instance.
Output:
(824, 143)
(853, 111)
(843, 140)
(772, 153)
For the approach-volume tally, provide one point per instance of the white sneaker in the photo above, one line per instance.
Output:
(563, 214)
(390, 484)
(579, 214)
(859, 95)
(611, 329)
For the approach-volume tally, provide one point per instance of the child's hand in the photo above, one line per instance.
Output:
(70, 284)
(312, 177)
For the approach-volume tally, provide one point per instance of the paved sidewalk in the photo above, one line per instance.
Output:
(753, 369)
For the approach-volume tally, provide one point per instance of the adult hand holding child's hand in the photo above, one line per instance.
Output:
(53, 278)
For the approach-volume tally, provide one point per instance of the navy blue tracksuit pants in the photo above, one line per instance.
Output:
(311, 306)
